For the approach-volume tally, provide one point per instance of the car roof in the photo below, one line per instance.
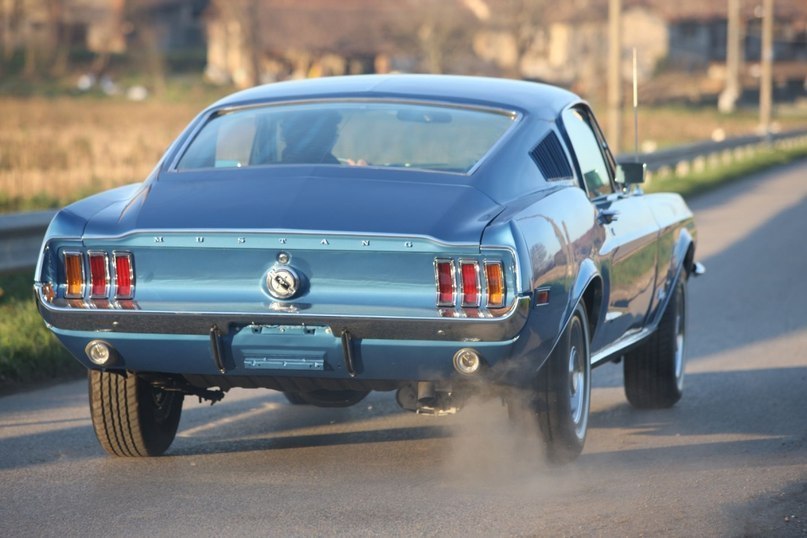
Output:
(539, 100)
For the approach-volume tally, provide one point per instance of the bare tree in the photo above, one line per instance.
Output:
(442, 30)
(522, 20)
(143, 20)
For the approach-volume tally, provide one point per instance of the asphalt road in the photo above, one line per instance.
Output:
(729, 460)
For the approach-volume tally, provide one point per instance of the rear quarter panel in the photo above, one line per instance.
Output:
(557, 240)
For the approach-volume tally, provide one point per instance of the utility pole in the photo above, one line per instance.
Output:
(766, 80)
(614, 75)
(727, 102)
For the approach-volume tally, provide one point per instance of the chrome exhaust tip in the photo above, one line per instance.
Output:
(467, 361)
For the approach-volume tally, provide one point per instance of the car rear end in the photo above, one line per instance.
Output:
(360, 307)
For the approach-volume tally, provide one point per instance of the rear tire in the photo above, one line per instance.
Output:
(560, 399)
(654, 372)
(132, 418)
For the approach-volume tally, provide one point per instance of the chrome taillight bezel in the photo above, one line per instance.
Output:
(488, 302)
(102, 254)
(453, 271)
(82, 280)
(116, 278)
(474, 264)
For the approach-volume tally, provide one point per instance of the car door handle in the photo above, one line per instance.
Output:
(607, 216)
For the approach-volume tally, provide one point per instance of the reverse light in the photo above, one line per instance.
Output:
(99, 352)
(470, 283)
(124, 275)
(494, 276)
(444, 273)
(99, 275)
(74, 275)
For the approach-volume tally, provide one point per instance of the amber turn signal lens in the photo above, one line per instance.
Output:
(494, 274)
(74, 274)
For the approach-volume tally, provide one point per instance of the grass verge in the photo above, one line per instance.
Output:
(711, 178)
(29, 353)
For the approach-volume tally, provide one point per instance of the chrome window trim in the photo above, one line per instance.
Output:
(514, 116)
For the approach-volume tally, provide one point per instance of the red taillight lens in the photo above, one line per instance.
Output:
(99, 275)
(124, 275)
(74, 275)
(444, 270)
(470, 283)
(494, 275)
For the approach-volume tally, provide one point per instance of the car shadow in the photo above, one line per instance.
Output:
(283, 442)
(764, 404)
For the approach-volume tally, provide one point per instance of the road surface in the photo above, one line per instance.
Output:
(729, 460)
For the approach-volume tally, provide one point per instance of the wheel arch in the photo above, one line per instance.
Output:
(681, 266)
(588, 289)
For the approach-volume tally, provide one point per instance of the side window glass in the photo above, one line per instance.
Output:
(587, 148)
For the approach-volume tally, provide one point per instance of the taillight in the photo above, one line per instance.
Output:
(99, 275)
(124, 275)
(475, 286)
(470, 283)
(494, 276)
(74, 275)
(444, 271)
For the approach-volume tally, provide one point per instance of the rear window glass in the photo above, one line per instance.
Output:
(385, 134)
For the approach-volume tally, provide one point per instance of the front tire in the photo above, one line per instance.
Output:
(654, 372)
(132, 418)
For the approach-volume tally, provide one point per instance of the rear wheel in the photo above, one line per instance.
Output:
(130, 416)
(560, 400)
(654, 372)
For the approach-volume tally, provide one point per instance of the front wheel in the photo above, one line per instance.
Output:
(654, 372)
(130, 416)
(561, 396)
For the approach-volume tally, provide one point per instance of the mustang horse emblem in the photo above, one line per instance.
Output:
(282, 283)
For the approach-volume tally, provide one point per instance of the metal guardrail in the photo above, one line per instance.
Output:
(21, 233)
(681, 159)
(20, 238)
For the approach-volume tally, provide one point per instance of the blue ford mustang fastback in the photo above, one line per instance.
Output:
(437, 236)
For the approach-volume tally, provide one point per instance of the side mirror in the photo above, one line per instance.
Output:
(630, 173)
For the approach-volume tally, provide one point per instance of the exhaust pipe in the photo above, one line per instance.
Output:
(427, 395)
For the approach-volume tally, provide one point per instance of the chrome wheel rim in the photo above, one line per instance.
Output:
(578, 381)
(680, 338)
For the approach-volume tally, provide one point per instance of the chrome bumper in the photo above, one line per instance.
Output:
(493, 329)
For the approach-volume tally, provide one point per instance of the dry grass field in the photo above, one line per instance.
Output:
(60, 149)
(53, 151)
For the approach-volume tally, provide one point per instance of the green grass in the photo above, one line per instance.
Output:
(711, 178)
(29, 353)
